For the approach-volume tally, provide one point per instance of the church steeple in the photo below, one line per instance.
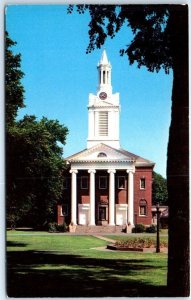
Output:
(104, 74)
(103, 109)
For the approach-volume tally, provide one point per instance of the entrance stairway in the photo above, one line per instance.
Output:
(99, 229)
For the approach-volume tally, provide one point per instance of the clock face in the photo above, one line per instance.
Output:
(103, 95)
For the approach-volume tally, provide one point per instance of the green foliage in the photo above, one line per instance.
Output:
(54, 227)
(139, 228)
(14, 91)
(159, 190)
(62, 228)
(150, 46)
(151, 229)
(34, 169)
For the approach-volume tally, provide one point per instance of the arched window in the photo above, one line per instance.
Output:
(142, 207)
(102, 154)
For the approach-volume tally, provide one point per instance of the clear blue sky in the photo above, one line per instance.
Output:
(59, 76)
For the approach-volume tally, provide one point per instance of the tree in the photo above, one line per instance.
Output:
(34, 180)
(160, 41)
(14, 90)
(34, 170)
(159, 190)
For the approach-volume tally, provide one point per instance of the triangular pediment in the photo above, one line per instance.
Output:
(100, 152)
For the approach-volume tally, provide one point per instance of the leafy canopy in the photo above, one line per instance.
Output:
(150, 46)
(14, 90)
(159, 190)
(34, 170)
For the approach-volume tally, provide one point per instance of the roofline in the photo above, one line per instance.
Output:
(98, 161)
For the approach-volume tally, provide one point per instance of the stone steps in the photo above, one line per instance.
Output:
(99, 229)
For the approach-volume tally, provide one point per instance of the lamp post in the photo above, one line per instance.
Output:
(158, 220)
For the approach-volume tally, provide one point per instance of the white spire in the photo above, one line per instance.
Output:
(104, 60)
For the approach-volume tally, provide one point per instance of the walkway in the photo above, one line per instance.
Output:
(104, 238)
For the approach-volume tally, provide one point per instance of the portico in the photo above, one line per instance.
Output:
(96, 170)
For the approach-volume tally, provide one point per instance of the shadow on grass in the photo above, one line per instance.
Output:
(45, 274)
(15, 244)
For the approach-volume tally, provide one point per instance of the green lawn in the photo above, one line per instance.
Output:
(48, 265)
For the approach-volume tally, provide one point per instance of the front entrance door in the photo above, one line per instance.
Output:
(103, 214)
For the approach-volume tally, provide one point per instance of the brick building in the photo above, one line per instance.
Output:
(105, 184)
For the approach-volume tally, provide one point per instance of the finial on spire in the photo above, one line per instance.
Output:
(104, 60)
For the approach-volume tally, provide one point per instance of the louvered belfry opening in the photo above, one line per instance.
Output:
(103, 123)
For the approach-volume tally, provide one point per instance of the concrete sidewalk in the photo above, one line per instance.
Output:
(104, 238)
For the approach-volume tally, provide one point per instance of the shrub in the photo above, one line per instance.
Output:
(62, 228)
(151, 229)
(54, 227)
(139, 228)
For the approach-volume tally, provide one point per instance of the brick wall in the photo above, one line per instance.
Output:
(145, 194)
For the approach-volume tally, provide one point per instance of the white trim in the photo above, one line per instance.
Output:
(104, 165)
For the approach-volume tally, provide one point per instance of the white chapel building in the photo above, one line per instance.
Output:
(106, 185)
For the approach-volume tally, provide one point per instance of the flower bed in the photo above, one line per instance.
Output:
(136, 244)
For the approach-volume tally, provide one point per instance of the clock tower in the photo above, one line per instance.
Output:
(103, 109)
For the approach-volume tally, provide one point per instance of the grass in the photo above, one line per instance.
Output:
(46, 265)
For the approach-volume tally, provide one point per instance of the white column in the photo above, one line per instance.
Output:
(130, 198)
(111, 197)
(74, 196)
(92, 196)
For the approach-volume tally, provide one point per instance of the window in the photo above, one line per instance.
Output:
(65, 184)
(103, 123)
(64, 210)
(121, 182)
(102, 182)
(102, 154)
(142, 184)
(143, 207)
(84, 182)
(103, 76)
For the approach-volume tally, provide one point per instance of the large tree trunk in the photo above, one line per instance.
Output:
(178, 159)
